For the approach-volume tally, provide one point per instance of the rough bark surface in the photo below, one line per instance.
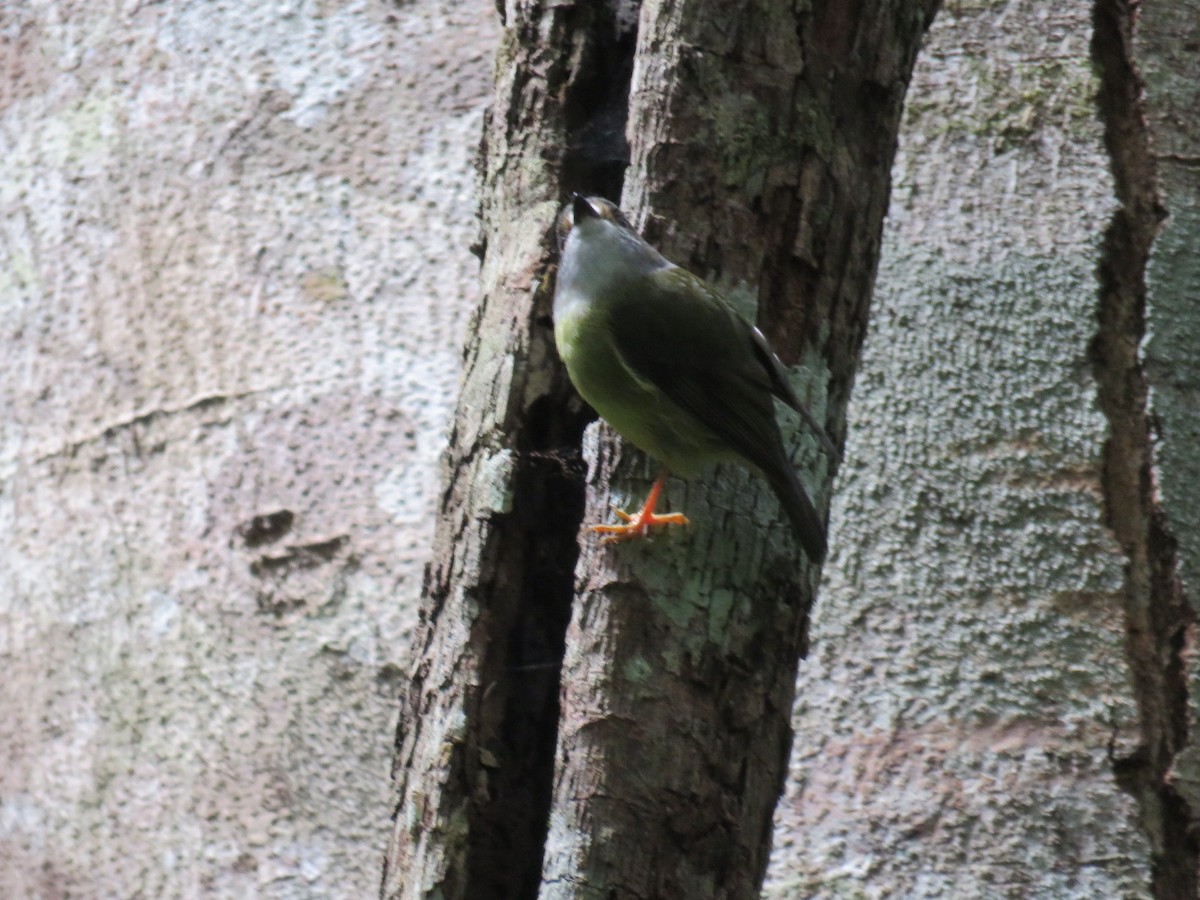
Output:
(1147, 356)
(761, 143)
(476, 738)
(234, 275)
(971, 648)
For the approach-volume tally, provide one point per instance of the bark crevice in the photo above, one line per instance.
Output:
(478, 727)
(1158, 618)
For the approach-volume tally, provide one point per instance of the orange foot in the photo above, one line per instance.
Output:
(639, 525)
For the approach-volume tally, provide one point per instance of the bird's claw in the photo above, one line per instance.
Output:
(636, 526)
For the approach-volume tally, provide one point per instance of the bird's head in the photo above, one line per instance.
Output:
(582, 209)
(596, 242)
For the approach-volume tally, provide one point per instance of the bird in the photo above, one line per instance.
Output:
(665, 359)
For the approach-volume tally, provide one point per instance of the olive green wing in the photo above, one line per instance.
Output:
(784, 391)
(683, 337)
(678, 334)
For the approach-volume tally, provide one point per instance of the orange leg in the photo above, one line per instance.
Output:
(639, 524)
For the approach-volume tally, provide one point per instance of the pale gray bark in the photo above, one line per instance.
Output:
(967, 715)
(234, 277)
(233, 284)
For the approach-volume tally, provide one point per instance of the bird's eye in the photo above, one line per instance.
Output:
(610, 212)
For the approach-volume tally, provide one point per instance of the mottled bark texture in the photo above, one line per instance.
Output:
(967, 717)
(761, 141)
(1148, 344)
(233, 280)
(476, 737)
(767, 137)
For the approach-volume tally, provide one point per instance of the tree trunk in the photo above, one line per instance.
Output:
(967, 719)
(233, 284)
(761, 157)
(767, 136)
(476, 738)
(1150, 283)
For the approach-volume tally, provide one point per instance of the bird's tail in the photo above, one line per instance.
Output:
(807, 525)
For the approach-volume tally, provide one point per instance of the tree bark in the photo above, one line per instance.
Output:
(774, 152)
(967, 719)
(1147, 358)
(477, 726)
(761, 144)
(233, 284)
